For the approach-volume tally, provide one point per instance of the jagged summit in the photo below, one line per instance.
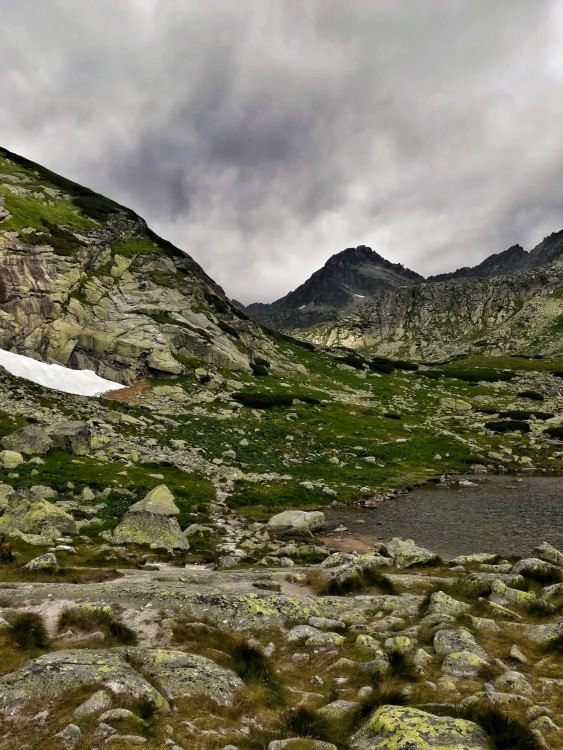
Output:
(343, 282)
(86, 283)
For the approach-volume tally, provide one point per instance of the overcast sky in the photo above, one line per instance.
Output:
(263, 136)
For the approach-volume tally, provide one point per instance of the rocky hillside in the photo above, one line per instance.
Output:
(521, 312)
(341, 284)
(84, 282)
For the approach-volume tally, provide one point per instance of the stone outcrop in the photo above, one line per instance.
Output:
(101, 291)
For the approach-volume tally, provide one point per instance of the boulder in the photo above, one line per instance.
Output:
(48, 561)
(451, 641)
(60, 673)
(534, 566)
(151, 530)
(398, 727)
(406, 553)
(184, 675)
(463, 664)
(548, 553)
(95, 704)
(30, 440)
(71, 436)
(24, 515)
(159, 500)
(10, 459)
(296, 520)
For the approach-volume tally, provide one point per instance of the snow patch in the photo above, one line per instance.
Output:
(57, 377)
(359, 295)
(302, 306)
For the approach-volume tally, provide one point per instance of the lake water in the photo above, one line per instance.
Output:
(501, 514)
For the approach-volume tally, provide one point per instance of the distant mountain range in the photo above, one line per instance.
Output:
(349, 278)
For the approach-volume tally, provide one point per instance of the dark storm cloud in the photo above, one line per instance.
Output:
(263, 136)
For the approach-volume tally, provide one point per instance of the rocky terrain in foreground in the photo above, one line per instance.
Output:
(168, 576)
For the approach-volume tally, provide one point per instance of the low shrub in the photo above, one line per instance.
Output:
(262, 400)
(92, 618)
(555, 432)
(392, 415)
(508, 425)
(228, 329)
(258, 371)
(522, 414)
(534, 395)
(28, 631)
(432, 374)
(306, 722)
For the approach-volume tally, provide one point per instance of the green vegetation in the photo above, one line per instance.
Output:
(28, 631)
(91, 618)
(508, 425)
(555, 432)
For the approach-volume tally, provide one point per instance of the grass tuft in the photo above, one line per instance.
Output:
(28, 632)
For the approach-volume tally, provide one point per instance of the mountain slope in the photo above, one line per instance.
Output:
(84, 282)
(521, 312)
(342, 283)
(510, 261)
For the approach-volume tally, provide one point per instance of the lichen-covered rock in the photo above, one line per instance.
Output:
(401, 728)
(48, 561)
(29, 440)
(338, 710)
(460, 639)
(10, 459)
(71, 436)
(478, 557)
(503, 595)
(62, 672)
(513, 682)
(442, 603)
(324, 641)
(296, 520)
(463, 664)
(184, 675)
(27, 515)
(151, 530)
(406, 553)
(548, 553)
(534, 566)
(159, 500)
(94, 705)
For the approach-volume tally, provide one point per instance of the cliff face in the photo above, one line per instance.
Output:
(84, 282)
(522, 312)
(341, 284)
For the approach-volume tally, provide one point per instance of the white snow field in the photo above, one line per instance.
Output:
(57, 377)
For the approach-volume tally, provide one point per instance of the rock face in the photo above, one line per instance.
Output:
(64, 671)
(71, 436)
(341, 284)
(519, 312)
(159, 500)
(396, 727)
(101, 291)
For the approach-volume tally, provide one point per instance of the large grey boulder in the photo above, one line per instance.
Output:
(184, 675)
(151, 530)
(71, 436)
(62, 672)
(296, 520)
(460, 639)
(399, 727)
(29, 515)
(406, 553)
(30, 440)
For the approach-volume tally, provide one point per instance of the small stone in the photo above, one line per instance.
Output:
(69, 735)
(48, 561)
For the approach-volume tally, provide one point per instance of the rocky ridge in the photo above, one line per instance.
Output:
(341, 284)
(520, 312)
(86, 283)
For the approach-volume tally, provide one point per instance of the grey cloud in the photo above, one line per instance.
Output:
(262, 137)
